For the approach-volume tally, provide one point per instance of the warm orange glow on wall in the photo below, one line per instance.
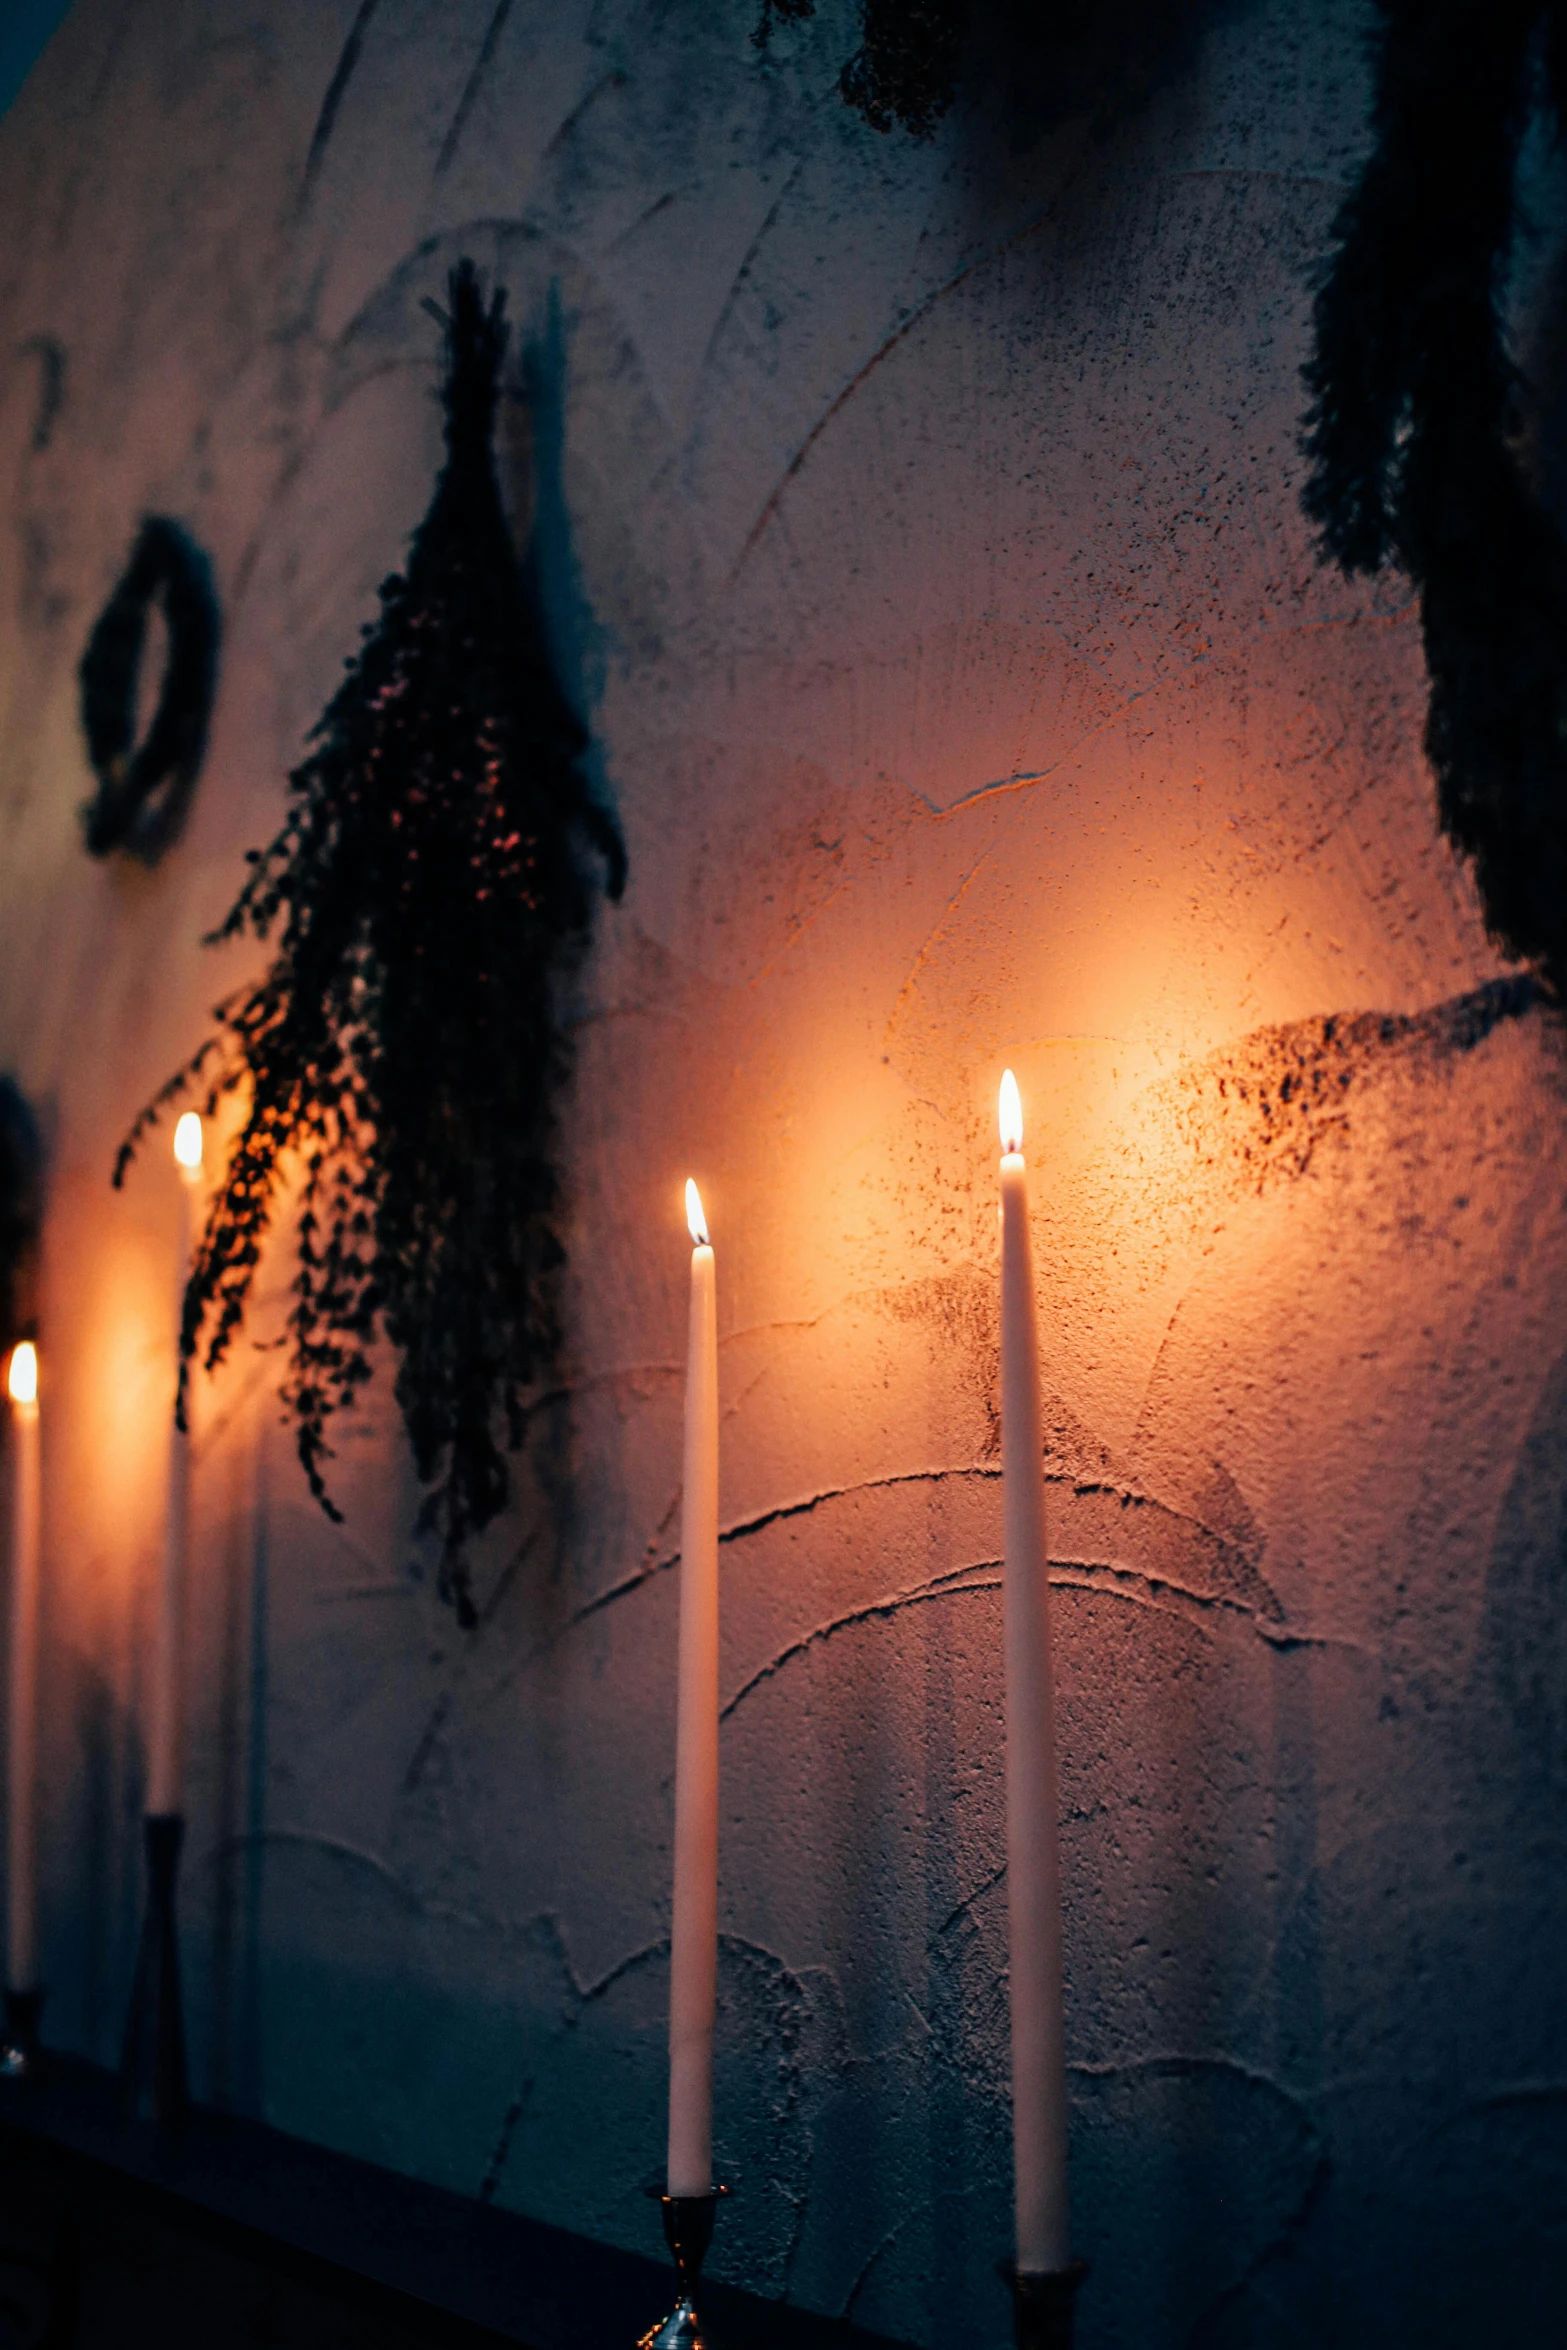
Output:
(22, 1378)
(695, 1219)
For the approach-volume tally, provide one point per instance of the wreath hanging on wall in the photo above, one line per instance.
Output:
(429, 888)
(143, 788)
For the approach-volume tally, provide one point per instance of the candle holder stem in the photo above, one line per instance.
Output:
(152, 2069)
(19, 2052)
(688, 2231)
(1043, 2301)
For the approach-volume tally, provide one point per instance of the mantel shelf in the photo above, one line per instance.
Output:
(242, 2206)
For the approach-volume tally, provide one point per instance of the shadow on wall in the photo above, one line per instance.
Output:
(534, 457)
(107, 1807)
(1034, 65)
(1038, 67)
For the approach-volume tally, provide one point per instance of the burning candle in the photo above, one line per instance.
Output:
(1033, 1856)
(164, 1757)
(21, 1954)
(693, 1958)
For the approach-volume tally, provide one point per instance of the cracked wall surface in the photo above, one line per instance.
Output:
(918, 531)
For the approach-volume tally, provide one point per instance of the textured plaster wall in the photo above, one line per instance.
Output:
(920, 538)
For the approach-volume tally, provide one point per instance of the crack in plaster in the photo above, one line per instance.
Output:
(793, 2002)
(615, 79)
(502, 2148)
(927, 947)
(1172, 2067)
(1123, 1583)
(754, 1525)
(941, 1587)
(996, 1877)
(648, 212)
(336, 91)
(310, 1840)
(906, 327)
(1099, 1574)
(768, 224)
(472, 87)
(1159, 1592)
(1003, 785)
(440, 1714)
(801, 927)
(942, 810)
(900, 334)
(1298, 2217)
(862, 2274)
(1294, 2226)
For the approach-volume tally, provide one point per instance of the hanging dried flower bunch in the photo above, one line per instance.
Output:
(1416, 442)
(403, 1051)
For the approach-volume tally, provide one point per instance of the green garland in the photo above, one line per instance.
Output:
(404, 1050)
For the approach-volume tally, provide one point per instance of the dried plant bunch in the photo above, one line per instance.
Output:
(401, 1056)
(1416, 435)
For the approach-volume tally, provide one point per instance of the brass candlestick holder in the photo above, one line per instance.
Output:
(1042, 2304)
(688, 2231)
(19, 2050)
(152, 2069)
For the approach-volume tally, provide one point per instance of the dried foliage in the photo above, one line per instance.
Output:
(1415, 435)
(404, 1049)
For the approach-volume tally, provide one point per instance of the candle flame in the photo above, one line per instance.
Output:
(694, 1216)
(22, 1379)
(187, 1142)
(1011, 1113)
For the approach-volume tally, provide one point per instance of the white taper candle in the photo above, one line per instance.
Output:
(1033, 1850)
(166, 1737)
(693, 1959)
(21, 1953)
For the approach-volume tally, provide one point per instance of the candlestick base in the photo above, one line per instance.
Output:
(19, 2051)
(152, 2068)
(1042, 2304)
(688, 2231)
